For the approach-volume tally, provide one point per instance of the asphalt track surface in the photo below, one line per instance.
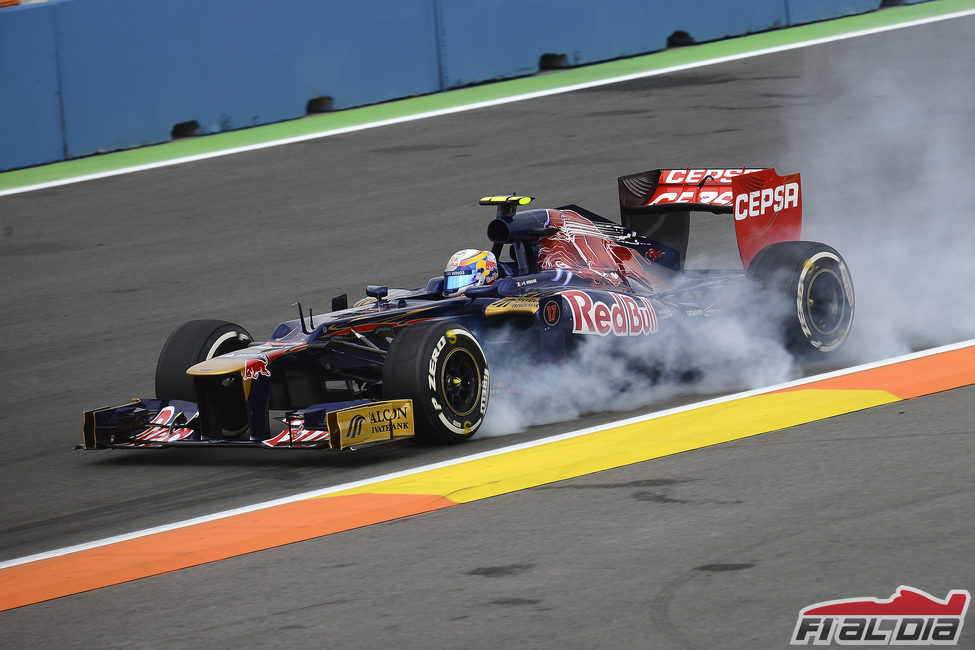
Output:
(721, 546)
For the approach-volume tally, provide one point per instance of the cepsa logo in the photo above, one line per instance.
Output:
(625, 316)
(758, 202)
(674, 176)
(909, 617)
(693, 177)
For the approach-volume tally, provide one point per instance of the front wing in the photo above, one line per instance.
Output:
(156, 424)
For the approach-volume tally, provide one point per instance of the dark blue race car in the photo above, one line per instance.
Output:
(414, 363)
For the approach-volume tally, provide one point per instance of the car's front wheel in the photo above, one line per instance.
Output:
(188, 345)
(441, 367)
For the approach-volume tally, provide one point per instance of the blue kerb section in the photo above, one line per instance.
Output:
(132, 70)
(30, 115)
(480, 41)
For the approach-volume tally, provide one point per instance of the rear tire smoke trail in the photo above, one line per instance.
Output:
(616, 374)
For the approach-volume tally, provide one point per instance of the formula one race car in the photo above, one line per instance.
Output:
(415, 363)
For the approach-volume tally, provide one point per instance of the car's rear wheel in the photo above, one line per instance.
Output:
(188, 345)
(810, 294)
(441, 367)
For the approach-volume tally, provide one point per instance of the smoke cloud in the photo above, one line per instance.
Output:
(699, 356)
(887, 181)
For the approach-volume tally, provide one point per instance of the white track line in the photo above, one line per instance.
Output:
(487, 454)
(486, 104)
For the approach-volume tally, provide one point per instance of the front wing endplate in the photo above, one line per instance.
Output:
(370, 423)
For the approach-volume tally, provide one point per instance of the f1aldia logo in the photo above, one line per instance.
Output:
(909, 617)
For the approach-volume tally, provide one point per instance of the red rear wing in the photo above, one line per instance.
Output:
(767, 207)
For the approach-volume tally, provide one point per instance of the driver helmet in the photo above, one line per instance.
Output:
(469, 268)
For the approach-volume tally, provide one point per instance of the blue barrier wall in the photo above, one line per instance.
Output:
(493, 39)
(30, 119)
(132, 70)
(807, 11)
(82, 76)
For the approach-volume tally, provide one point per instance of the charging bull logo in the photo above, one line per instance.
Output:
(624, 316)
(255, 368)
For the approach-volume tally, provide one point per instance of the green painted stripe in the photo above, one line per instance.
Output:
(456, 98)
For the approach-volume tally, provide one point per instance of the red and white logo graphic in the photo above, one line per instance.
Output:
(163, 428)
(297, 433)
(696, 186)
(697, 176)
(909, 617)
(775, 199)
(625, 316)
(255, 368)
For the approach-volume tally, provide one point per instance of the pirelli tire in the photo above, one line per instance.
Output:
(809, 291)
(188, 345)
(441, 367)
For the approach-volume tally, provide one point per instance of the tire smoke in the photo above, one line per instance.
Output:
(694, 356)
(886, 161)
(887, 178)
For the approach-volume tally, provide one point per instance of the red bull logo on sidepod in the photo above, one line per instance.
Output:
(624, 316)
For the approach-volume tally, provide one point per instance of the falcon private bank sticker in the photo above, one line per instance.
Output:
(909, 617)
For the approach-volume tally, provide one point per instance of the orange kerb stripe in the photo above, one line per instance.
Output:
(303, 520)
(909, 379)
(201, 543)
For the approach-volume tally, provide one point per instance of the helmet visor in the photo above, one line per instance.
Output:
(454, 280)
